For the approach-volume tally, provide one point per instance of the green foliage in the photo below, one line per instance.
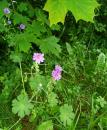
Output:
(101, 62)
(69, 49)
(47, 125)
(3, 4)
(67, 114)
(81, 9)
(23, 7)
(22, 41)
(16, 57)
(103, 123)
(101, 101)
(19, 18)
(37, 82)
(30, 98)
(22, 105)
(50, 42)
(52, 99)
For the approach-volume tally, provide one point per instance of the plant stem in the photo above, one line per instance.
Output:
(15, 124)
(62, 32)
(78, 116)
(22, 76)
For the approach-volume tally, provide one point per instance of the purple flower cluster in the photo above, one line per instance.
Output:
(22, 26)
(38, 57)
(56, 73)
(6, 11)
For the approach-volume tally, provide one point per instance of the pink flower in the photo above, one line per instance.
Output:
(58, 67)
(56, 73)
(38, 57)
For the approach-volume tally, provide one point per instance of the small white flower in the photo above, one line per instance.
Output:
(14, 1)
(40, 85)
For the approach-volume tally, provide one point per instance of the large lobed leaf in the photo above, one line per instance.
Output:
(81, 9)
(21, 105)
(66, 114)
(47, 125)
(50, 45)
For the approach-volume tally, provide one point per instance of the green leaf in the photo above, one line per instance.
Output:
(36, 28)
(23, 7)
(81, 9)
(33, 115)
(23, 41)
(18, 19)
(101, 62)
(49, 45)
(16, 57)
(66, 114)
(41, 16)
(46, 126)
(30, 11)
(56, 27)
(4, 128)
(101, 101)
(2, 27)
(37, 82)
(69, 49)
(21, 105)
(103, 121)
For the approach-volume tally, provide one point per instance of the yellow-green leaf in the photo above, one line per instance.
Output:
(81, 9)
(57, 11)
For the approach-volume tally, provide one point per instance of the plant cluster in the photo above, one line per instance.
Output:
(53, 65)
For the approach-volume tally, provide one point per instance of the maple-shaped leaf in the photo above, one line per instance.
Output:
(41, 16)
(21, 105)
(19, 18)
(67, 114)
(23, 41)
(47, 125)
(36, 28)
(23, 7)
(16, 57)
(81, 9)
(50, 45)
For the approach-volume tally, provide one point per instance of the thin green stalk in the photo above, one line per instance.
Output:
(13, 5)
(32, 97)
(15, 124)
(62, 32)
(92, 114)
(22, 76)
(78, 116)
